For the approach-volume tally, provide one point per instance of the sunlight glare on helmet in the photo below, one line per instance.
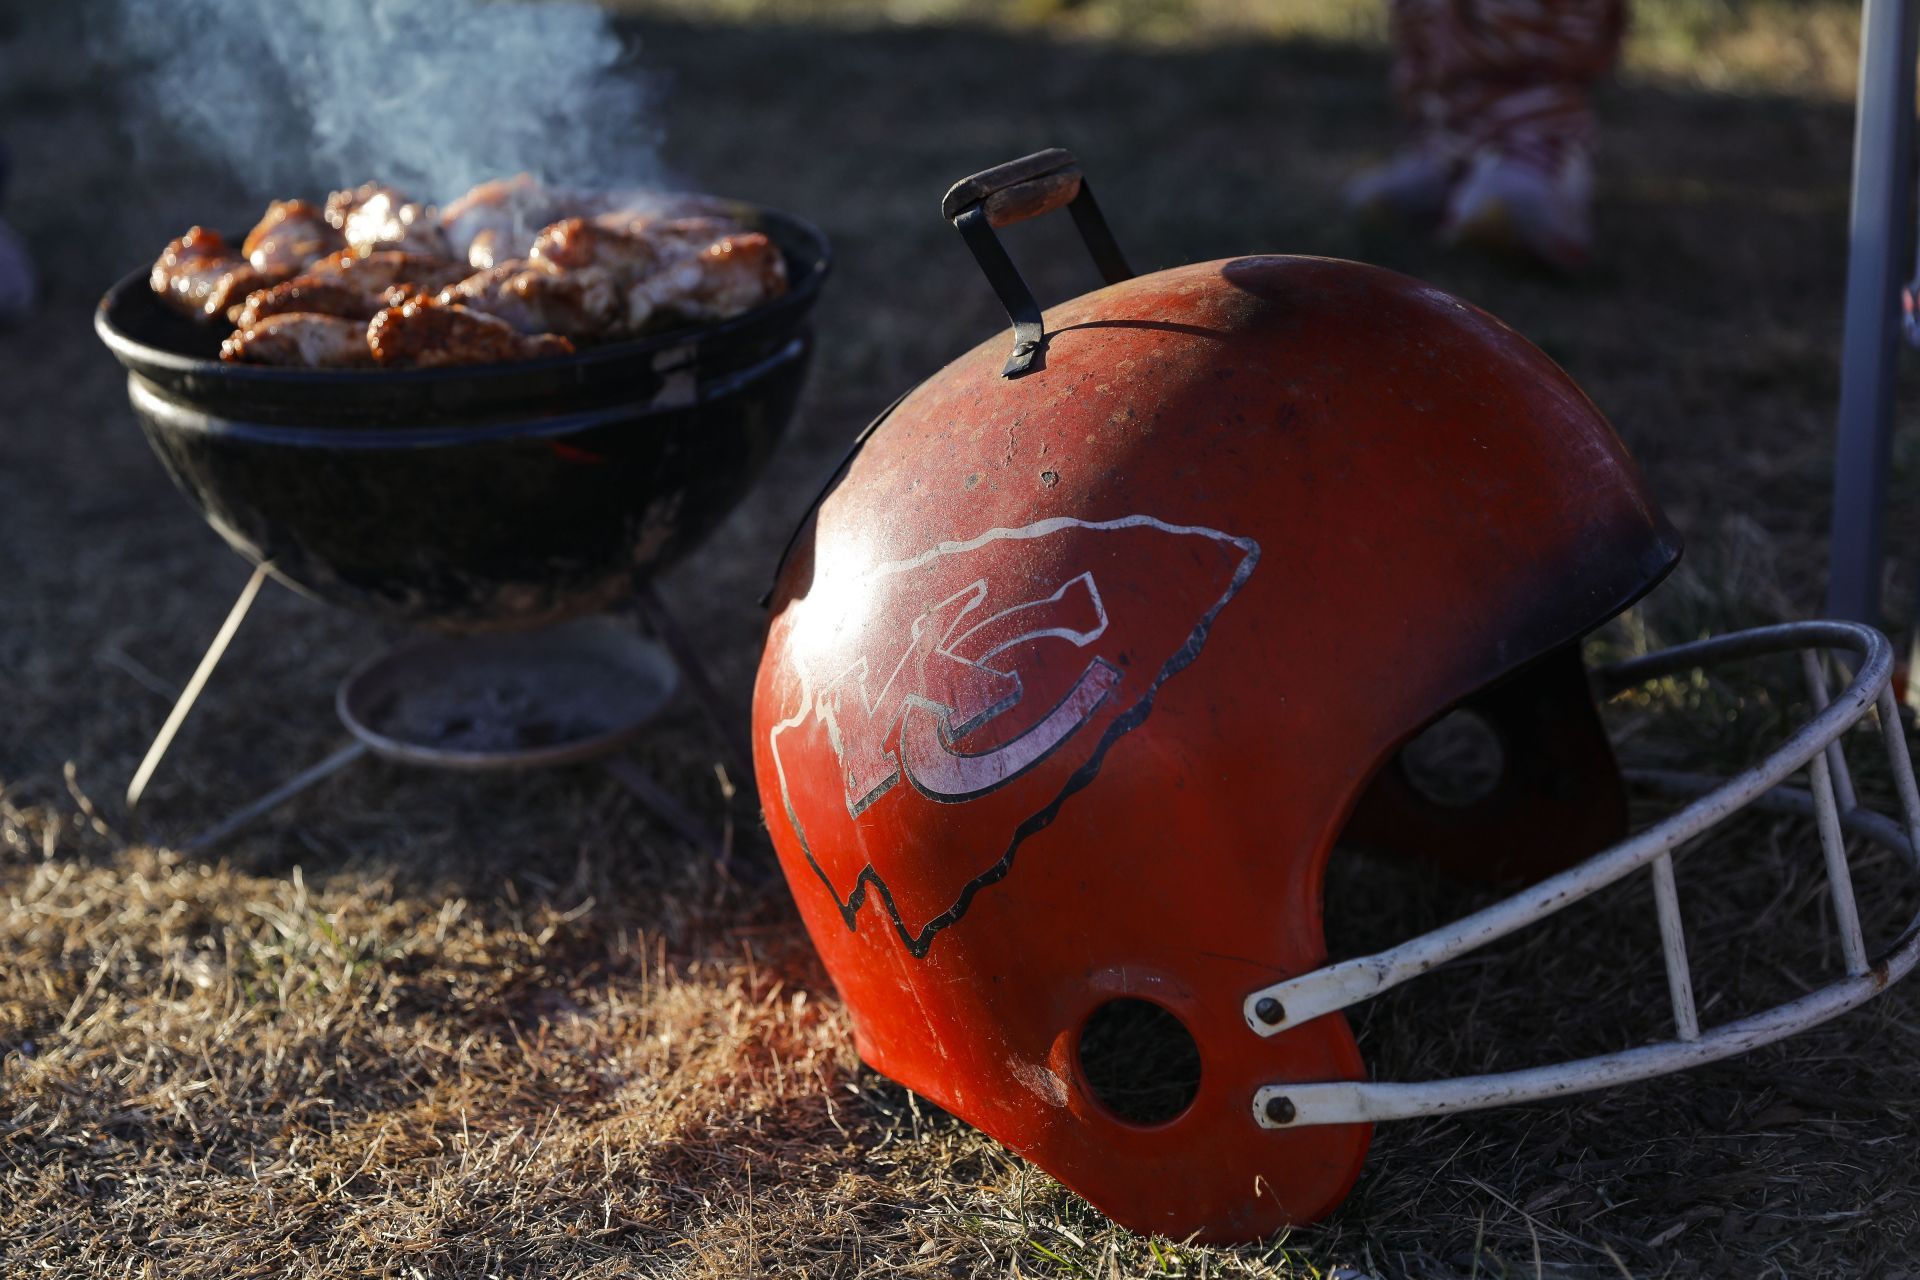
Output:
(836, 603)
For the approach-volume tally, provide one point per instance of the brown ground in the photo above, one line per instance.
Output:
(428, 1025)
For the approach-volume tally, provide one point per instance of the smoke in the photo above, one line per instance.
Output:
(299, 96)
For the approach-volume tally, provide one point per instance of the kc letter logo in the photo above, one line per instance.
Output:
(972, 690)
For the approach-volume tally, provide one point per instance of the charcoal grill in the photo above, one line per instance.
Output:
(504, 498)
(496, 496)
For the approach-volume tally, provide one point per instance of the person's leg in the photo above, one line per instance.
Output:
(17, 284)
(1414, 184)
(1519, 78)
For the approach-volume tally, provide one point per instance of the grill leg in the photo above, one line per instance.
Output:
(191, 694)
(267, 803)
(669, 810)
(721, 715)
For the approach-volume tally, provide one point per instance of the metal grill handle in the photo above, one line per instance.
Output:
(1013, 192)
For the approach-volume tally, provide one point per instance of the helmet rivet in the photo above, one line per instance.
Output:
(1270, 1011)
(1280, 1110)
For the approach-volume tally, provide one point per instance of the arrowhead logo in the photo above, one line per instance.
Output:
(987, 683)
(941, 689)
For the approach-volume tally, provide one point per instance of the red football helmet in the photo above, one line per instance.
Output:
(1079, 670)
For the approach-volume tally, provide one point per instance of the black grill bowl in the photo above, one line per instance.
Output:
(489, 497)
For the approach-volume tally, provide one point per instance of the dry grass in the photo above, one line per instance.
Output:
(431, 1026)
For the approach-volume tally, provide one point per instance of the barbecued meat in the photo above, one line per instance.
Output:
(497, 221)
(377, 272)
(291, 237)
(691, 235)
(701, 268)
(637, 210)
(315, 294)
(703, 277)
(201, 274)
(425, 335)
(373, 217)
(490, 247)
(301, 340)
(573, 243)
(535, 299)
(585, 266)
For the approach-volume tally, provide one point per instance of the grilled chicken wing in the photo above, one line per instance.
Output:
(490, 247)
(573, 243)
(291, 237)
(637, 210)
(594, 266)
(424, 335)
(301, 340)
(533, 299)
(375, 273)
(700, 268)
(704, 277)
(201, 274)
(312, 294)
(373, 218)
(497, 221)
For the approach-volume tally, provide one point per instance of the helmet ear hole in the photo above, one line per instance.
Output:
(1139, 1061)
(1457, 760)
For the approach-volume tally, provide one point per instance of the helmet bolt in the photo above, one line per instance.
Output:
(1270, 1011)
(1280, 1110)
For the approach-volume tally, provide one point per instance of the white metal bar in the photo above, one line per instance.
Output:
(1673, 945)
(1833, 847)
(1780, 638)
(1860, 822)
(1810, 663)
(1296, 1104)
(1362, 1102)
(1339, 986)
(191, 694)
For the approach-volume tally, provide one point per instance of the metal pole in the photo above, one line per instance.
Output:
(191, 694)
(665, 807)
(722, 716)
(267, 803)
(1879, 253)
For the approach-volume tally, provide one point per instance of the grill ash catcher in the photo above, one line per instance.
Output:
(508, 507)
(570, 693)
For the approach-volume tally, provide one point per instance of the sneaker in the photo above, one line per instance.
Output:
(1512, 207)
(1411, 187)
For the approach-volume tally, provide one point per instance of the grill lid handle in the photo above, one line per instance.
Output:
(1019, 189)
(1013, 192)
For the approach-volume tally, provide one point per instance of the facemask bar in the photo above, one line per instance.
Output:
(1830, 800)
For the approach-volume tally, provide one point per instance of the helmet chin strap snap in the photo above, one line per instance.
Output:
(1815, 748)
